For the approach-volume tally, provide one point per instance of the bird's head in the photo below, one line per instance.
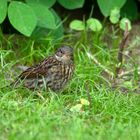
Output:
(64, 54)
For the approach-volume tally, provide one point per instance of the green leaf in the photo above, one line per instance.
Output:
(59, 31)
(71, 4)
(55, 34)
(46, 3)
(3, 10)
(44, 16)
(123, 23)
(115, 15)
(94, 24)
(77, 25)
(126, 12)
(106, 5)
(22, 17)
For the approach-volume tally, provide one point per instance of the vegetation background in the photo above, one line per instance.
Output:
(102, 100)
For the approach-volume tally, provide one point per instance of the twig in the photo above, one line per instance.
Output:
(100, 65)
(39, 95)
(121, 48)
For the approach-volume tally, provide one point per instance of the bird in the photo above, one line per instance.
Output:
(53, 72)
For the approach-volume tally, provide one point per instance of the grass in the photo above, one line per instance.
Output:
(112, 114)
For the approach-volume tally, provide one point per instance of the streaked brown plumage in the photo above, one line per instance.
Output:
(53, 72)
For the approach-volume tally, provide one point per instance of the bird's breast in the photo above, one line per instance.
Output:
(59, 76)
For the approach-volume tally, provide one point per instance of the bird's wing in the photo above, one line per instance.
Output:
(38, 70)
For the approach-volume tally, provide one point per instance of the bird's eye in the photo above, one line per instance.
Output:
(61, 51)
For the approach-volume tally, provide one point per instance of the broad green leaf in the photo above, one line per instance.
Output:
(22, 17)
(76, 108)
(123, 23)
(47, 3)
(77, 25)
(71, 4)
(126, 12)
(39, 33)
(59, 31)
(44, 16)
(94, 24)
(84, 102)
(3, 10)
(55, 34)
(115, 15)
(106, 5)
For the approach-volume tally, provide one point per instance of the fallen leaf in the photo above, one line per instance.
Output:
(76, 108)
(84, 102)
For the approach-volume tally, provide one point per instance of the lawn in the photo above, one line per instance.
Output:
(113, 113)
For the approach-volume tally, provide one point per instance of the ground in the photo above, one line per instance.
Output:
(113, 113)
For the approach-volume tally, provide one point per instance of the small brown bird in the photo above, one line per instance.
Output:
(53, 72)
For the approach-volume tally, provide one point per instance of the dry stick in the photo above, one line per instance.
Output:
(121, 48)
(100, 65)
(39, 95)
